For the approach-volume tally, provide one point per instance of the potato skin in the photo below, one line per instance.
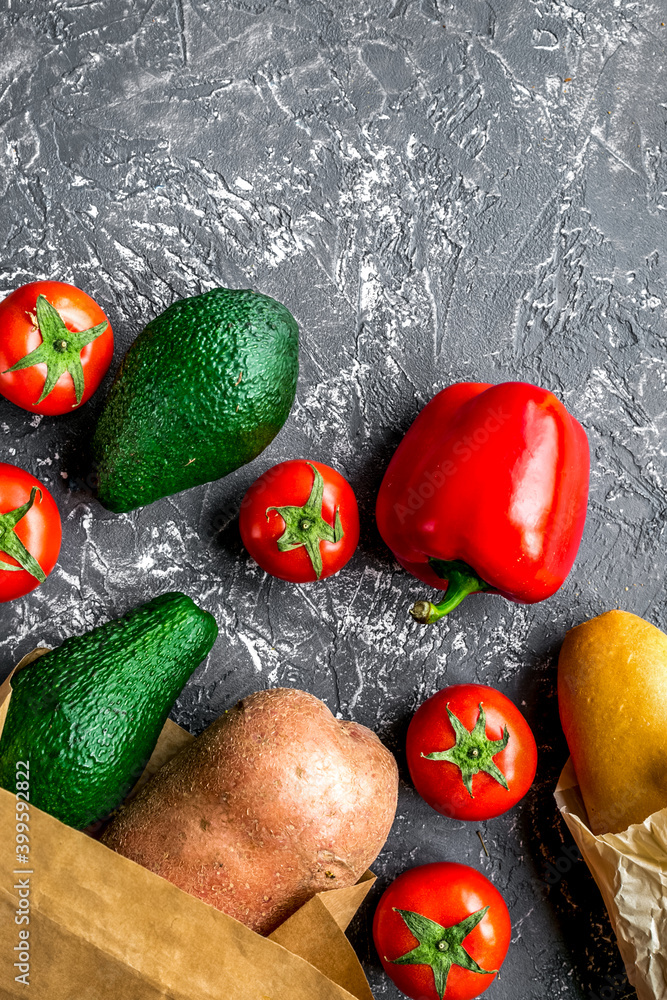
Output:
(275, 801)
(612, 696)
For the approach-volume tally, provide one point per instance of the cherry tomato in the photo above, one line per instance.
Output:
(471, 753)
(30, 532)
(55, 347)
(442, 930)
(300, 521)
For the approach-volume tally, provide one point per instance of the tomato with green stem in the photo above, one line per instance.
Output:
(30, 532)
(471, 754)
(300, 521)
(56, 345)
(442, 932)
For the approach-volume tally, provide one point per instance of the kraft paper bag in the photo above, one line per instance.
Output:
(630, 869)
(103, 928)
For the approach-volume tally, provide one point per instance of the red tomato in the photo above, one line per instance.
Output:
(442, 930)
(59, 343)
(464, 745)
(30, 532)
(300, 521)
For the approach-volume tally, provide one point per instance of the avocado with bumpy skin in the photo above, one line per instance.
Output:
(204, 389)
(88, 714)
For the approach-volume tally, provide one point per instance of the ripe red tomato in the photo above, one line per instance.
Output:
(30, 532)
(300, 521)
(471, 753)
(55, 347)
(442, 931)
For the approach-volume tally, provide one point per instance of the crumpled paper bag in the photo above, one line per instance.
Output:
(104, 928)
(630, 869)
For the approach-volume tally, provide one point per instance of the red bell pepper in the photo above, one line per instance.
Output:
(487, 492)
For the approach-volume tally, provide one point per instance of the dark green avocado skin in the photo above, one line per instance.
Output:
(87, 715)
(204, 389)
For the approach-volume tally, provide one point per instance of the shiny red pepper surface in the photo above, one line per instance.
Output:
(487, 491)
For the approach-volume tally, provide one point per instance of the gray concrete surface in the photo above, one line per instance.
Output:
(438, 192)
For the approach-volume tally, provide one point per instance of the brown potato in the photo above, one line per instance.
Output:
(277, 800)
(612, 695)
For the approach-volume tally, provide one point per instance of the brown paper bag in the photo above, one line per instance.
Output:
(630, 869)
(103, 928)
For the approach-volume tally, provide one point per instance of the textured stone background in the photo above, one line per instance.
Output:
(434, 202)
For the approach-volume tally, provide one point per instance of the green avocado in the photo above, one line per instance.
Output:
(204, 389)
(87, 715)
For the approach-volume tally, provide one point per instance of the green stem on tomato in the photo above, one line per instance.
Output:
(60, 350)
(305, 526)
(440, 947)
(11, 544)
(473, 751)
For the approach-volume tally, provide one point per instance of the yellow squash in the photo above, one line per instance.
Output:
(612, 696)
